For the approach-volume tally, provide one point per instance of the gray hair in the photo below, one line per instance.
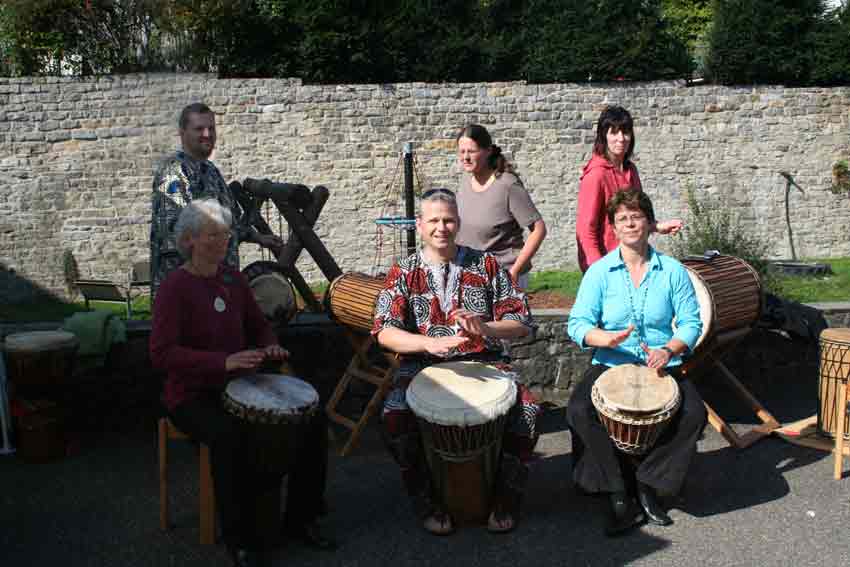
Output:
(437, 194)
(193, 218)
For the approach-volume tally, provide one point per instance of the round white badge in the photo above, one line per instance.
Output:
(219, 305)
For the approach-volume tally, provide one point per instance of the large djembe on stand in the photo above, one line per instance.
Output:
(351, 301)
(729, 293)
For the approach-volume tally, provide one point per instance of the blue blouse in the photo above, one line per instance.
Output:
(608, 300)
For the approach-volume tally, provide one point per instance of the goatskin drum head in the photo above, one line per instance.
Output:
(461, 393)
(273, 393)
(637, 389)
(37, 341)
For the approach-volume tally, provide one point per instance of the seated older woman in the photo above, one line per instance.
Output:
(207, 328)
(625, 309)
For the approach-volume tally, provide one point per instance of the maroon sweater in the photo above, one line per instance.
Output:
(191, 339)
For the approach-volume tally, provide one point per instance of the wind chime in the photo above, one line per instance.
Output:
(395, 234)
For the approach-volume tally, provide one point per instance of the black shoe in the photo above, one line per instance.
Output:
(649, 502)
(624, 514)
(311, 535)
(245, 557)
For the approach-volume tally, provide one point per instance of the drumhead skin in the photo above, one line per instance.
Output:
(461, 394)
(633, 388)
(40, 341)
(706, 305)
(836, 335)
(273, 393)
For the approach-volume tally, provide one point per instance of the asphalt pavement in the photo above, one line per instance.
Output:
(771, 504)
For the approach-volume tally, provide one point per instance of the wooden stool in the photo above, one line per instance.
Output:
(361, 368)
(168, 431)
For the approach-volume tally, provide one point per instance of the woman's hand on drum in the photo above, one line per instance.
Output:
(276, 352)
(610, 339)
(470, 322)
(655, 357)
(440, 346)
(244, 360)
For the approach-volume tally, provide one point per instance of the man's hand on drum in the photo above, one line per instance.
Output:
(655, 357)
(471, 323)
(440, 346)
(245, 359)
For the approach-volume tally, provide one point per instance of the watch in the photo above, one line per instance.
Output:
(669, 350)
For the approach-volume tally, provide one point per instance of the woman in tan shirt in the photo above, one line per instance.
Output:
(494, 206)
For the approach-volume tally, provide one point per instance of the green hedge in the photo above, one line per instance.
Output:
(368, 41)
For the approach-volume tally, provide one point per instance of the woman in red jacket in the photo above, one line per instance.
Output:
(609, 170)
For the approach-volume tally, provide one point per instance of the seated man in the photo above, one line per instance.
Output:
(207, 329)
(443, 303)
(625, 309)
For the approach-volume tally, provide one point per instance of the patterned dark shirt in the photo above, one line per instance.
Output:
(179, 180)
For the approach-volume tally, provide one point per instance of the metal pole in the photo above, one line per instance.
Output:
(409, 205)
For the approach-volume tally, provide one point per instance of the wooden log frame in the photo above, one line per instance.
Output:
(301, 208)
(709, 356)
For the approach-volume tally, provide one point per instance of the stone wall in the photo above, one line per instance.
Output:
(76, 156)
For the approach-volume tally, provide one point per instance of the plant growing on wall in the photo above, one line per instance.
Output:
(840, 177)
(711, 225)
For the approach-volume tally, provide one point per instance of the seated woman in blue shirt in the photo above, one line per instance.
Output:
(624, 310)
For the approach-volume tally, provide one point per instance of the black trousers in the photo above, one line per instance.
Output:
(238, 481)
(599, 467)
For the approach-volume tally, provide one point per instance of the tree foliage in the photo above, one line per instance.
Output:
(367, 41)
(763, 41)
(575, 40)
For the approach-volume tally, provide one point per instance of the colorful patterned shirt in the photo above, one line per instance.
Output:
(178, 180)
(418, 297)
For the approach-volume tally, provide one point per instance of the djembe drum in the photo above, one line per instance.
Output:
(351, 298)
(274, 406)
(834, 373)
(272, 291)
(635, 405)
(40, 358)
(461, 408)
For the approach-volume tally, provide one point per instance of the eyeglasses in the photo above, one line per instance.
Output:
(438, 191)
(637, 217)
(223, 235)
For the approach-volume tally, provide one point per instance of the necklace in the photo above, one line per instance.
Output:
(216, 286)
(638, 309)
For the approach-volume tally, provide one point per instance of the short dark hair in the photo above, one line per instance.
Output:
(194, 108)
(616, 118)
(633, 199)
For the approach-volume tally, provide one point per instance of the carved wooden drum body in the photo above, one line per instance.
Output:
(351, 298)
(275, 406)
(834, 373)
(729, 293)
(635, 405)
(462, 408)
(40, 358)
